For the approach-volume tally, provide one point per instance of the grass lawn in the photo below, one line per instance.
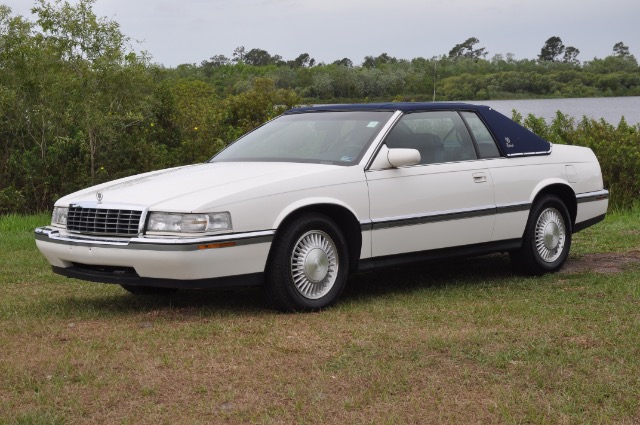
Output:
(465, 341)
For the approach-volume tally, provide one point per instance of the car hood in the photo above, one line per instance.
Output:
(191, 187)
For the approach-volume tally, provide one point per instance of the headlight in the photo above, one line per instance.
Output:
(59, 216)
(189, 223)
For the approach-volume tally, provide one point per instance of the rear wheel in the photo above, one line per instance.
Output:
(308, 265)
(148, 290)
(547, 237)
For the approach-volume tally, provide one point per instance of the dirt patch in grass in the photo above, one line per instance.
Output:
(602, 262)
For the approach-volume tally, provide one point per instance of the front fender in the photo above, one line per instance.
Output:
(302, 203)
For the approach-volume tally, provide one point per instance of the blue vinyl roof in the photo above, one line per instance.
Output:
(513, 139)
(390, 106)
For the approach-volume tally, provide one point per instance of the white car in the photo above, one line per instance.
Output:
(321, 192)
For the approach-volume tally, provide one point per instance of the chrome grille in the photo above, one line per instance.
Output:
(103, 221)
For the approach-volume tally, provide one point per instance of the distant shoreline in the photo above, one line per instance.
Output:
(611, 109)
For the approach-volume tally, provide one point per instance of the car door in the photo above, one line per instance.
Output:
(445, 201)
(514, 179)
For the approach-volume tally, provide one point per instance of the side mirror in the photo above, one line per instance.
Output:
(403, 157)
(394, 158)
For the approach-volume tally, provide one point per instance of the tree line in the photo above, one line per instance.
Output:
(79, 105)
(464, 73)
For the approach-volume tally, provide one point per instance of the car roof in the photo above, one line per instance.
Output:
(513, 139)
(391, 106)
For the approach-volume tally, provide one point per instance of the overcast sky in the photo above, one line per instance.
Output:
(189, 31)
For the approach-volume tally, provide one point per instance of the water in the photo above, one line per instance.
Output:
(611, 109)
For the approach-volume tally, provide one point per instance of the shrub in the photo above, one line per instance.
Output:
(617, 149)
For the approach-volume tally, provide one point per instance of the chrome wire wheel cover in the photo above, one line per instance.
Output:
(550, 235)
(314, 264)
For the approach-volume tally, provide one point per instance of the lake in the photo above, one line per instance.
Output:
(611, 109)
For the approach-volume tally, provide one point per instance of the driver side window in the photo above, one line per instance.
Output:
(439, 136)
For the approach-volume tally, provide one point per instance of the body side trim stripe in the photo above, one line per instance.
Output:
(400, 221)
(516, 207)
(412, 220)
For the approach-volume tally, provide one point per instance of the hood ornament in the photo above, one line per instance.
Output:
(99, 197)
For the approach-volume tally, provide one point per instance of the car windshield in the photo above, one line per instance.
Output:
(319, 137)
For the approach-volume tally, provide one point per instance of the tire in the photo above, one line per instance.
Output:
(308, 264)
(148, 290)
(547, 237)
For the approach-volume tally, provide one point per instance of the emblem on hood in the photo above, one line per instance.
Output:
(99, 196)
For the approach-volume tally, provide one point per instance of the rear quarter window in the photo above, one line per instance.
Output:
(487, 147)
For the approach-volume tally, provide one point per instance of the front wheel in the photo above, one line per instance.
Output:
(547, 237)
(308, 265)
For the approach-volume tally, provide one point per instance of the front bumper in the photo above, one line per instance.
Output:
(168, 262)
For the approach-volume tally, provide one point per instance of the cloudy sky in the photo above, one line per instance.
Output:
(189, 31)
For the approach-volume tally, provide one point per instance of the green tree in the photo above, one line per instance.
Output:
(466, 50)
(106, 76)
(235, 115)
(192, 108)
(551, 50)
(571, 55)
(216, 61)
(302, 61)
(259, 57)
(382, 59)
(620, 50)
(17, 48)
(72, 94)
(346, 62)
(612, 64)
(238, 54)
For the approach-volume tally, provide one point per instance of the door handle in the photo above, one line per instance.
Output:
(479, 177)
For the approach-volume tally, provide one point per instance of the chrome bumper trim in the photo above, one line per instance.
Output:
(592, 196)
(53, 235)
